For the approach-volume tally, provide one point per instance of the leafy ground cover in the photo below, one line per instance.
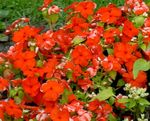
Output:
(95, 66)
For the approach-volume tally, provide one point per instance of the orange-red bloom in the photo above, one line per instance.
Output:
(52, 90)
(13, 109)
(129, 30)
(31, 86)
(110, 35)
(3, 84)
(123, 51)
(45, 41)
(25, 33)
(85, 8)
(81, 55)
(109, 14)
(140, 81)
(25, 60)
(59, 114)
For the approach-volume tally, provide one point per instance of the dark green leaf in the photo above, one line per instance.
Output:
(113, 74)
(111, 100)
(65, 95)
(3, 38)
(112, 118)
(2, 26)
(120, 83)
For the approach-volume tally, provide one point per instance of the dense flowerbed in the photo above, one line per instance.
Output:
(94, 68)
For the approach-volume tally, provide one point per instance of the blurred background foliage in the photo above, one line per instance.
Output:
(11, 10)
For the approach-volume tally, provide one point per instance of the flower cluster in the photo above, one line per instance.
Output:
(94, 68)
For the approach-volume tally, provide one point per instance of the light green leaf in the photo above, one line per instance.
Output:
(139, 21)
(110, 51)
(53, 18)
(12, 93)
(131, 104)
(77, 40)
(140, 65)
(143, 101)
(123, 100)
(105, 94)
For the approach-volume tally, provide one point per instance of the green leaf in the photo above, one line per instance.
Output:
(12, 93)
(77, 40)
(20, 94)
(111, 118)
(123, 100)
(120, 83)
(113, 74)
(142, 108)
(140, 40)
(39, 63)
(111, 100)
(69, 74)
(65, 95)
(105, 94)
(17, 99)
(110, 51)
(143, 101)
(2, 26)
(131, 104)
(140, 65)
(138, 21)
(53, 18)
(3, 38)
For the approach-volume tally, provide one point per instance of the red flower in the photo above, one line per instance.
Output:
(52, 90)
(85, 8)
(123, 51)
(78, 26)
(140, 81)
(25, 60)
(31, 86)
(109, 14)
(59, 114)
(117, 104)
(110, 34)
(13, 109)
(102, 109)
(84, 84)
(76, 69)
(137, 6)
(129, 30)
(81, 55)
(45, 41)
(50, 67)
(63, 39)
(111, 63)
(25, 33)
(3, 84)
